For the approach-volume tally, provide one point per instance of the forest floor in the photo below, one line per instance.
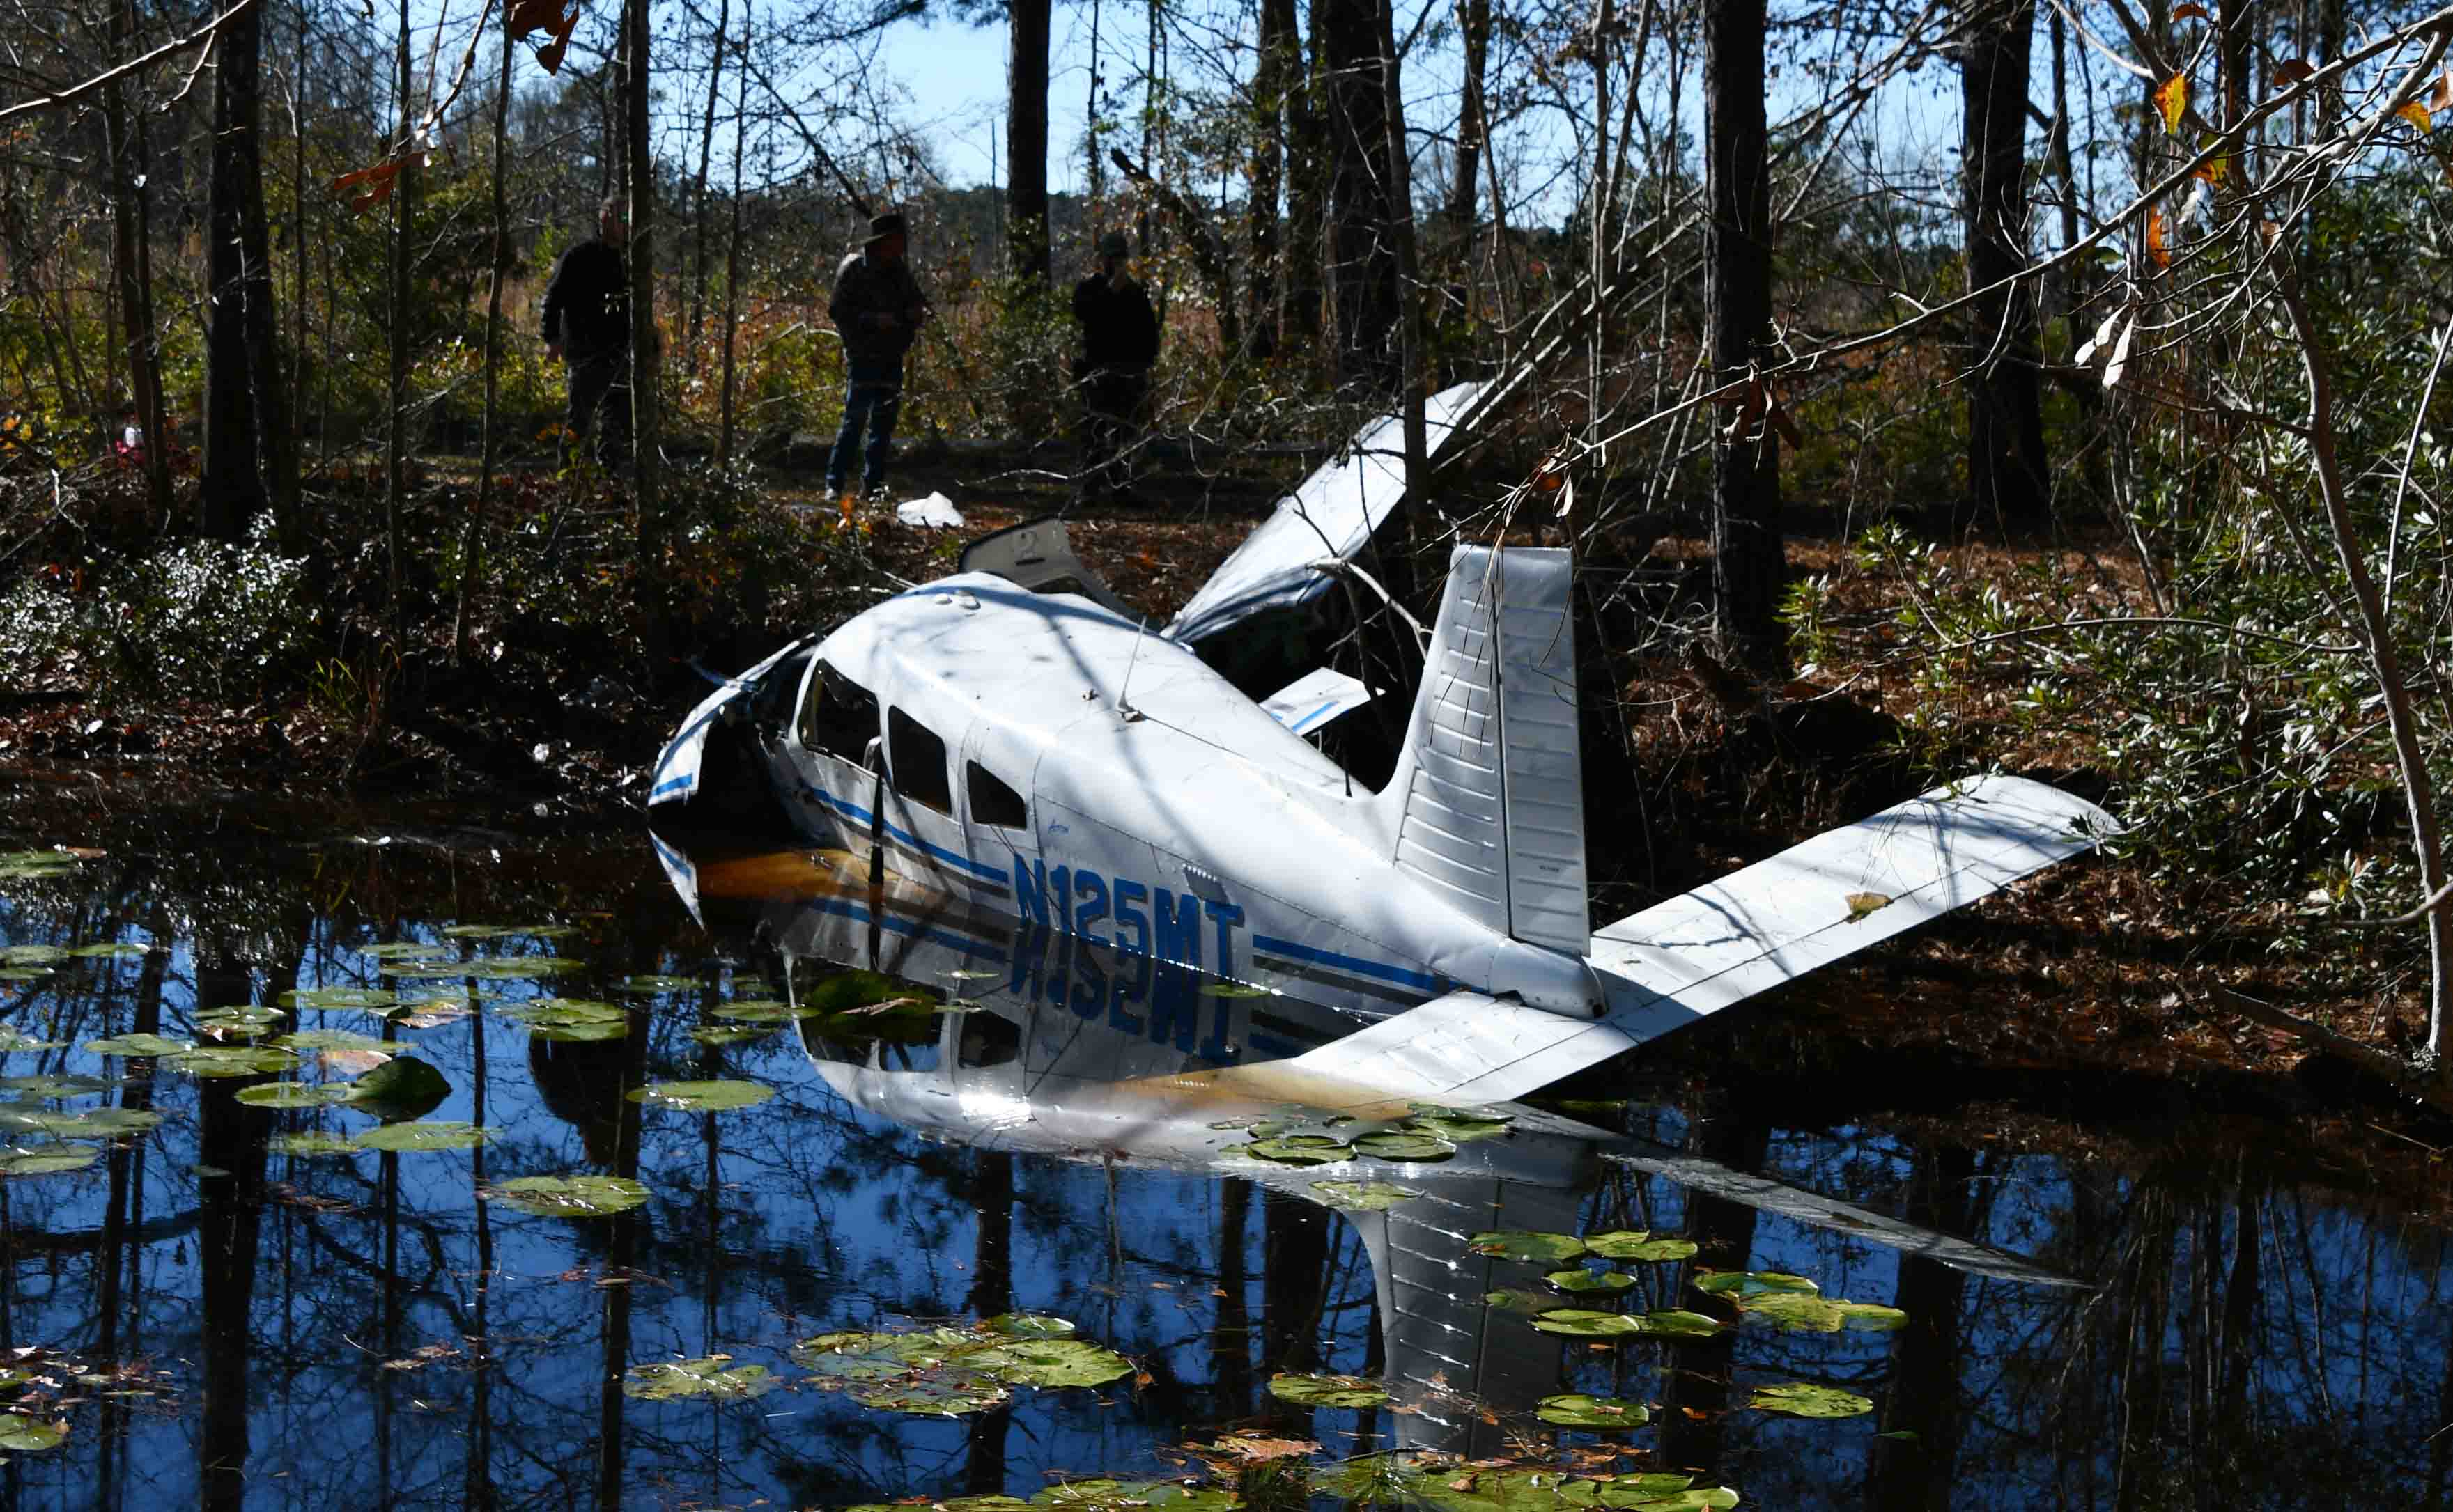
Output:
(2084, 999)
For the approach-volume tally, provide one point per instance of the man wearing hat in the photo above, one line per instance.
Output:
(878, 308)
(1119, 344)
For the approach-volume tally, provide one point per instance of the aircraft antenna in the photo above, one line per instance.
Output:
(1125, 694)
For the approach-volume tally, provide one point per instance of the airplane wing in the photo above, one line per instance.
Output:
(1332, 514)
(1724, 943)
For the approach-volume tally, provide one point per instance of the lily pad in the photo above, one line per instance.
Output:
(338, 1040)
(1628, 1494)
(294, 1094)
(112, 950)
(935, 1396)
(1296, 1150)
(50, 1161)
(1133, 1496)
(404, 1088)
(33, 955)
(1030, 1326)
(1059, 1362)
(139, 1045)
(730, 1033)
(702, 1097)
(1576, 1410)
(567, 1011)
(1329, 1391)
(765, 1010)
(238, 1023)
(1608, 1282)
(1638, 1244)
(1576, 1322)
(34, 865)
(714, 1377)
(854, 1356)
(338, 999)
(22, 1434)
(408, 950)
(441, 1134)
(23, 973)
(567, 1196)
(1519, 1300)
(1799, 1400)
(214, 1061)
(97, 1122)
(314, 1144)
(12, 1038)
(1458, 1125)
(654, 983)
(1797, 1312)
(68, 1084)
(584, 1030)
(1364, 1197)
(1403, 1144)
(1518, 1243)
(1745, 1285)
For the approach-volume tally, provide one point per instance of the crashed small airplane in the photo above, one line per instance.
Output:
(1012, 734)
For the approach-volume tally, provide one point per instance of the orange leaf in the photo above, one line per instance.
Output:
(2172, 101)
(2190, 12)
(2440, 98)
(2156, 248)
(2213, 169)
(2416, 114)
(2292, 73)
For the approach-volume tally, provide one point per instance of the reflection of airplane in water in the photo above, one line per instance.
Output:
(1077, 1052)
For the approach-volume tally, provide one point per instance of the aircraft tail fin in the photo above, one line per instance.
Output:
(1489, 794)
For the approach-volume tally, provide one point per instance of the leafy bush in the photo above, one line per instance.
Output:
(195, 619)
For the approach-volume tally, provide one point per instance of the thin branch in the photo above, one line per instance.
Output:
(51, 102)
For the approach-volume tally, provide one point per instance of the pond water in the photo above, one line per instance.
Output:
(928, 1208)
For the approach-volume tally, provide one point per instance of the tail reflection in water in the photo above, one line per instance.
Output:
(1066, 1051)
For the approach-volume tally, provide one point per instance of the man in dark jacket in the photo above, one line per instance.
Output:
(1119, 343)
(587, 325)
(878, 309)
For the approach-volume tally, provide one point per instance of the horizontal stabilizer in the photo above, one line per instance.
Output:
(1308, 704)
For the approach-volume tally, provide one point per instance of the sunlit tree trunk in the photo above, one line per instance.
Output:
(1749, 558)
(698, 192)
(1361, 193)
(132, 260)
(1473, 33)
(1276, 78)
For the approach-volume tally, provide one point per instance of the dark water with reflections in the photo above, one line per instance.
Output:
(213, 1315)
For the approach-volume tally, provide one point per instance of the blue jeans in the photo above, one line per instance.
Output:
(874, 399)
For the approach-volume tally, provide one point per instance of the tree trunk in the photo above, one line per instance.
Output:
(1361, 198)
(698, 206)
(1025, 143)
(1276, 79)
(1473, 30)
(646, 430)
(131, 233)
(472, 538)
(1306, 189)
(2006, 426)
(404, 220)
(1749, 555)
(246, 422)
(732, 263)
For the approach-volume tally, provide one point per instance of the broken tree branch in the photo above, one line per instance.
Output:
(69, 95)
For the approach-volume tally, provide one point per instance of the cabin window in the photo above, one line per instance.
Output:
(987, 1039)
(992, 802)
(839, 717)
(770, 702)
(917, 758)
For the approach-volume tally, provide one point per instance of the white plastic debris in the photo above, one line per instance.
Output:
(936, 511)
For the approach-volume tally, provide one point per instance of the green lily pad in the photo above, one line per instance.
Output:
(1518, 1243)
(1578, 1322)
(653, 983)
(1364, 1197)
(1611, 1281)
(1299, 1150)
(112, 950)
(714, 1377)
(338, 1040)
(1329, 1391)
(934, 1397)
(1458, 1125)
(96, 1122)
(1403, 1144)
(1638, 1244)
(586, 1030)
(408, 950)
(294, 1094)
(1576, 1410)
(24, 1434)
(34, 955)
(338, 999)
(68, 1084)
(442, 1134)
(1797, 1312)
(765, 1010)
(23, 973)
(212, 1061)
(1134, 1496)
(1519, 1300)
(730, 1033)
(12, 1038)
(567, 1011)
(1686, 1498)
(35, 865)
(1799, 1400)
(402, 1087)
(702, 1097)
(567, 1196)
(314, 1144)
(1743, 1285)
(139, 1045)
(51, 1161)
(1030, 1326)
(1059, 1362)
(238, 1023)
(854, 1355)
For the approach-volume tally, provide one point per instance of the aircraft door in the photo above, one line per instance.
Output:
(824, 757)
(999, 828)
(921, 828)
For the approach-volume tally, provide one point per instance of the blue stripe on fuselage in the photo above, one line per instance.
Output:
(861, 816)
(1293, 951)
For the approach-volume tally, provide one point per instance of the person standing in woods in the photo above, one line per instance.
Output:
(1119, 344)
(878, 309)
(587, 327)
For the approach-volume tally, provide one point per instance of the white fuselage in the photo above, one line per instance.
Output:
(1046, 757)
